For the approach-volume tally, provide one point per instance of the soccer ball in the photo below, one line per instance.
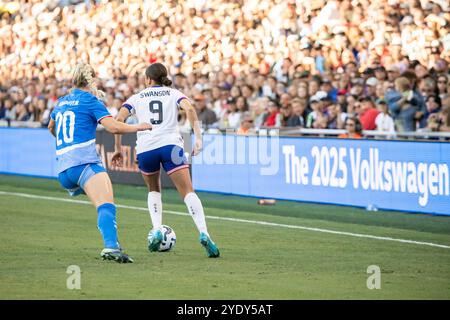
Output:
(169, 239)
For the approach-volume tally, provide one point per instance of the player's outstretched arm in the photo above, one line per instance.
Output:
(191, 115)
(117, 158)
(114, 126)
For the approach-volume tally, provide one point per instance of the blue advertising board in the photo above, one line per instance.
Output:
(31, 152)
(27, 152)
(396, 175)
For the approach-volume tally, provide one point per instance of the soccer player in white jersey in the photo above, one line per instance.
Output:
(163, 145)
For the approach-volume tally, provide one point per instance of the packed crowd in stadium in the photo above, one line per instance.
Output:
(371, 65)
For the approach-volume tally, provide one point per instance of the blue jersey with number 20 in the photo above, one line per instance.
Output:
(76, 116)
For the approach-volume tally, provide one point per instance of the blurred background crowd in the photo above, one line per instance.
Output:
(340, 64)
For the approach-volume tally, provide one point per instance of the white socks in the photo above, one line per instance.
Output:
(155, 208)
(195, 208)
(192, 202)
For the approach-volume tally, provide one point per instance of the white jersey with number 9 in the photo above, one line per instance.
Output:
(159, 106)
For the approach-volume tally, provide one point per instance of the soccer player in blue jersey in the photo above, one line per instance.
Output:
(73, 123)
(163, 146)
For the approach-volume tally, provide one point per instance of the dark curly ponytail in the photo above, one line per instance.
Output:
(158, 73)
(166, 81)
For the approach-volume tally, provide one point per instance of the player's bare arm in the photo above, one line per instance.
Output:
(51, 127)
(114, 126)
(193, 120)
(117, 158)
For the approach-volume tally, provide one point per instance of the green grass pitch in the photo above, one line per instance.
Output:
(40, 238)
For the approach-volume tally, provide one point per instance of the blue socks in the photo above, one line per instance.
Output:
(107, 225)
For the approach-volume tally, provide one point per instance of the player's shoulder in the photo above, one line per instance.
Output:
(177, 91)
(139, 94)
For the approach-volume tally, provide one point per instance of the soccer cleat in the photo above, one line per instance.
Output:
(211, 249)
(116, 255)
(154, 238)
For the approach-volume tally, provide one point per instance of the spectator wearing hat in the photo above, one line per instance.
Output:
(371, 87)
(205, 115)
(393, 72)
(317, 107)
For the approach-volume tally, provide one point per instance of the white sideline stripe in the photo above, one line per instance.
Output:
(264, 223)
(75, 146)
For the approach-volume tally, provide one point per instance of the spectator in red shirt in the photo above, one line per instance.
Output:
(368, 114)
(273, 117)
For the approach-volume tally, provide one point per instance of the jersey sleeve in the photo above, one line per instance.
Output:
(53, 114)
(129, 104)
(179, 96)
(98, 109)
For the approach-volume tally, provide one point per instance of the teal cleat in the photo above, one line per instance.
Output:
(211, 249)
(155, 238)
(116, 255)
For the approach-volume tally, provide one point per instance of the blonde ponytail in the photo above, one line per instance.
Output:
(83, 76)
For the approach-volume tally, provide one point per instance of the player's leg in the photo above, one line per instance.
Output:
(98, 187)
(182, 181)
(154, 202)
(178, 170)
(149, 164)
(153, 183)
(69, 184)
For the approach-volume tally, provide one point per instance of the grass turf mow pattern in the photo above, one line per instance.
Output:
(284, 251)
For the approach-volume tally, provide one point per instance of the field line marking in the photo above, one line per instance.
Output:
(264, 223)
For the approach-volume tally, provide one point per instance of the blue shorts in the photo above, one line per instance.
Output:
(171, 158)
(74, 179)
